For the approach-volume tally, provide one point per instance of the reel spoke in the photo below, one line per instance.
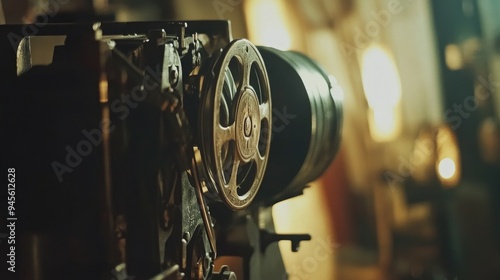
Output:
(234, 174)
(265, 111)
(259, 160)
(247, 70)
(223, 135)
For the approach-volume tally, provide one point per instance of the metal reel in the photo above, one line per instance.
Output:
(235, 124)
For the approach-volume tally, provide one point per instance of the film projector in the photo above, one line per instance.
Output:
(147, 150)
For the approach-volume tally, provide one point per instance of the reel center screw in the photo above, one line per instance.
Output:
(248, 126)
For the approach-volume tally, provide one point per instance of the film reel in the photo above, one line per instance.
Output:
(235, 121)
(308, 133)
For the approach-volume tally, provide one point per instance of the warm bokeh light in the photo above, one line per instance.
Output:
(384, 123)
(453, 57)
(382, 88)
(380, 79)
(267, 24)
(447, 168)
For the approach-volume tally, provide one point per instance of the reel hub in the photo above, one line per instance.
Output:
(247, 125)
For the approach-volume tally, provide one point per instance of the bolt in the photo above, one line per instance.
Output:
(248, 126)
(174, 76)
(208, 261)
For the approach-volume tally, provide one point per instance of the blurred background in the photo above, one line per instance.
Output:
(414, 192)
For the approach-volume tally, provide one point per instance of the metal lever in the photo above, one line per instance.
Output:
(172, 273)
(267, 238)
(224, 274)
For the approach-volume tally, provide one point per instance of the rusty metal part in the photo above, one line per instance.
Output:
(224, 274)
(205, 215)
